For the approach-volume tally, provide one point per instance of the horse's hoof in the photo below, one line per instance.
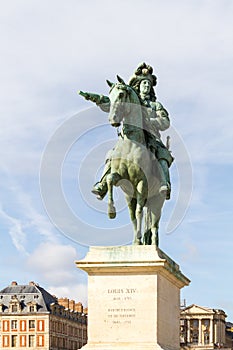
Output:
(163, 191)
(137, 242)
(111, 215)
(111, 212)
(154, 242)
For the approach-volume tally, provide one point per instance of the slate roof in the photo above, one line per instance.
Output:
(25, 294)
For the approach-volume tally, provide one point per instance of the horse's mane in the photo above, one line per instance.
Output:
(134, 95)
(133, 92)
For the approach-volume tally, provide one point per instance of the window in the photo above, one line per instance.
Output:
(23, 340)
(5, 340)
(40, 340)
(6, 325)
(32, 324)
(23, 325)
(194, 337)
(31, 341)
(194, 323)
(14, 308)
(206, 322)
(13, 341)
(183, 331)
(194, 331)
(40, 325)
(14, 324)
(31, 308)
(206, 337)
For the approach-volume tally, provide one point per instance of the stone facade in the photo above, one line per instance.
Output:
(229, 335)
(202, 328)
(31, 318)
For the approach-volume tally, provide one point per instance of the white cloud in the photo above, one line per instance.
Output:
(35, 220)
(22, 220)
(15, 229)
(54, 264)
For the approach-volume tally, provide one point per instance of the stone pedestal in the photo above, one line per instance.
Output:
(133, 298)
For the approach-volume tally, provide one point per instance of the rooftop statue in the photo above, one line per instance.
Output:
(139, 156)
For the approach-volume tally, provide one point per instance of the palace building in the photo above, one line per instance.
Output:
(32, 318)
(229, 335)
(202, 328)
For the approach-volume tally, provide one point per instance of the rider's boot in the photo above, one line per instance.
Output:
(165, 187)
(100, 188)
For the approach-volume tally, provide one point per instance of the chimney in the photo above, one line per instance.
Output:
(79, 307)
(64, 302)
(72, 305)
(14, 283)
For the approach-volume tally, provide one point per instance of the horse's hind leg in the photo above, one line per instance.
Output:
(141, 198)
(155, 229)
(139, 214)
(111, 179)
(132, 205)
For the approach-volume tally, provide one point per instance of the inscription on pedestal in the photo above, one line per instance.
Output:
(122, 315)
(123, 306)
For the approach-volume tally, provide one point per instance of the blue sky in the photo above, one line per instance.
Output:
(48, 51)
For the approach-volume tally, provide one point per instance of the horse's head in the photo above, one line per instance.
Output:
(119, 102)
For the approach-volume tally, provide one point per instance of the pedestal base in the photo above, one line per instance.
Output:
(133, 298)
(123, 346)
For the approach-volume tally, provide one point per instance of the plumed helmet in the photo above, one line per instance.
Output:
(143, 71)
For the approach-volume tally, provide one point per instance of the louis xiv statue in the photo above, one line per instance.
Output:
(155, 119)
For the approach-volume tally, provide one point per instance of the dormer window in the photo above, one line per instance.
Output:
(14, 305)
(14, 308)
(32, 307)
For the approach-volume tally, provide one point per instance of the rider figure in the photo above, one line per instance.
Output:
(156, 119)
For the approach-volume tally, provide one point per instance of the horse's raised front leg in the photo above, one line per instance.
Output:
(111, 179)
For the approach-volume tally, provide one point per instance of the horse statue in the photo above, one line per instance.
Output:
(133, 166)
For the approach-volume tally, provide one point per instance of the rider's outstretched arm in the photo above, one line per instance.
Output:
(101, 101)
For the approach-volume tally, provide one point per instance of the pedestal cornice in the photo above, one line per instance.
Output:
(132, 260)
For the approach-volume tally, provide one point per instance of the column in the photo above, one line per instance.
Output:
(188, 331)
(199, 332)
(211, 331)
(215, 331)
